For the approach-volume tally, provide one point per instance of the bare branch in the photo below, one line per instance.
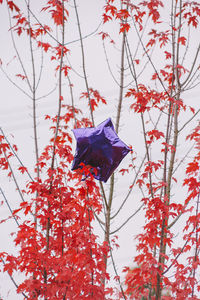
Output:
(85, 36)
(17, 86)
(49, 93)
(182, 160)
(55, 39)
(15, 154)
(83, 62)
(14, 178)
(115, 269)
(129, 218)
(192, 68)
(189, 120)
(108, 64)
(12, 279)
(41, 69)
(177, 256)
(72, 100)
(147, 54)
(17, 52)
(9, 207)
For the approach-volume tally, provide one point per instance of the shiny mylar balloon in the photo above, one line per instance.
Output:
(99, 147)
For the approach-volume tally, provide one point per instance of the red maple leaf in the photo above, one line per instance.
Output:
(193, 20)
(192, 167)
(13, 6)
(124, 27)
(182, 40)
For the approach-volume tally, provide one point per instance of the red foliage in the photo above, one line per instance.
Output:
(94, 98)
(55, 266)
(59, 14)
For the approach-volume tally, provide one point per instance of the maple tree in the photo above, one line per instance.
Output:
(59, 253)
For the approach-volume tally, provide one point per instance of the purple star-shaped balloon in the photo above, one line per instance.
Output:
(99, 147)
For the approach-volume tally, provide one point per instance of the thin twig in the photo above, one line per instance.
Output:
(55, 39)
(46, 95)
(161, 82)
(189, 120)
(129, 218)
(9, 207)
(41, 69)
(17, 86)
(13, 176)
(72, 100)
(83, 62)
(85, 36)
(115, 269)
(108, 64)
(192, 68)
(17, 52)
(15, 154)
(12, 279)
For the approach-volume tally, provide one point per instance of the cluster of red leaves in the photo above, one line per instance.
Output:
(193, 181)
(150, 8)
(21, 23)
(162, 38)
(94, 98)
(57, 10)
(58, 251)
(191, 12)
(185, 274)
(145, 99)
(153, 7)
(140, 279)
(38, 30)
(111, 11)
(105, 35)
(143, 277)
